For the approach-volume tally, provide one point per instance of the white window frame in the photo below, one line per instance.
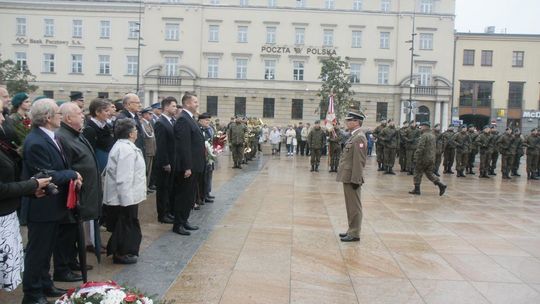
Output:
(244, 2)
(213, 33)
(213, 67)
(76, 63)
(214, 1)
(271, 32)
(48, 27)
(133, 29)
(426, 41)
(272, 3)
(383, 74)
(356, 39)
(242, 35)
(131, 65)
(49, 63)
(300, 3)
(298, 70)
(354, 75)
(270, 69)
(104, 29)
(172, 31)
(21, 60)
(425, 73)
(384, 40)
(386, 5)
(76, 28)
(104, 64)
(241, 68)
(328, 37)
(426, 6)
(171, 66)
(357, 5)
(518, 59)
(299, 36)
(330, 4)
(21, 26)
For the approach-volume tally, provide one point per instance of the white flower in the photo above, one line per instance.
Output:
(113, 296)
(147, 300)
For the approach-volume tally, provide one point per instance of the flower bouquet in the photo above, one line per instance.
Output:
(103, 293)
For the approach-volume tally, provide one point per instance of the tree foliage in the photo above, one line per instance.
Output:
(16, 79)
(335, 80)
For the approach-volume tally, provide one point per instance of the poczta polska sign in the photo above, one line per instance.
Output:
(271, 49)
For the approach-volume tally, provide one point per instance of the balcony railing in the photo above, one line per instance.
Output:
(425, 91)
(173, 81)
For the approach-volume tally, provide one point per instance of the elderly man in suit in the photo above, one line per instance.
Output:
(132, 106)
(190, 163)
(351, 173)
(43, 151)
(165, 160)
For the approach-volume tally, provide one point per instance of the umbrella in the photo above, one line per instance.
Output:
(97, 240)
(73, 204)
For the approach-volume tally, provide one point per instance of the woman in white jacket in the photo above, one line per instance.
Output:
(275, 139)
(290, 134)
(125, 188)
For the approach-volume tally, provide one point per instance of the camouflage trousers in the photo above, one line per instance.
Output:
(506, 163)
(410, 160)
(484, 163)
(438, 160)
(315, 156)
(449, 155)
(380, 152)
(389, 157)
(403, 158)
(427, 169)
(494, 158)
(532, 163)
(461, 160)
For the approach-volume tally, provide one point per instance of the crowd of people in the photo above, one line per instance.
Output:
(110, 159)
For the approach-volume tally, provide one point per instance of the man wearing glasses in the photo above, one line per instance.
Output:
(132, 106)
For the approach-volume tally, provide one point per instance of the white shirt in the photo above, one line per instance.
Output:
(190, 114)
(168, 118)
(51, 135)
(100, 124)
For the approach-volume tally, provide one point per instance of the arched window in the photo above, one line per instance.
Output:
(422, 114)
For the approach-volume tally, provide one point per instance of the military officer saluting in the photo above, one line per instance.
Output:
(351, 173)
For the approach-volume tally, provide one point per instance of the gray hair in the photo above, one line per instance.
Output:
(122, 128)
(42, 110)
(127, 97)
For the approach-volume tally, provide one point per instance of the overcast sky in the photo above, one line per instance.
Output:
(516, 16)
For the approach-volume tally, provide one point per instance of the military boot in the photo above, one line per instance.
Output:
(436, 173)
(514, 173)
(390, 171)
(534, 176)
(381, 167)
(460, 173)
(450, 170)
(416, 189)
(312, 168)
(471, 171)
(442, 187)
(317, 168)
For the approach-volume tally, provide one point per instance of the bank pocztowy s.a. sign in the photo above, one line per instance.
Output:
(307, 51)
(531, 114)
(24, 40)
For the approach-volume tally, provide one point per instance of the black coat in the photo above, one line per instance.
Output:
(189, 141)
(166, 150)
(11, 191)
(82, 159)
(140, 135)
(41, 152)
(99, 138)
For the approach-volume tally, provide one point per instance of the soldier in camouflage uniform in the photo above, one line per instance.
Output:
(236, 137)
(517, 145)
(411, 140)
(504, 145)
(439, 148)
(495, 154)
(482, 143)
(449, 150)
(402, 148)
(532, 142)
(379, 147)
(390, 138)
(473, 150)
(316, 139)
(424, 156)
(334, 145)
(462, 142)
(492, 148)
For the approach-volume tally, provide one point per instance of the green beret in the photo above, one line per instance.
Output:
(18, 99)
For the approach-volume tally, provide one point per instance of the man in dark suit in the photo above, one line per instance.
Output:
(42, 150)
(132, 106)
(165, 160)
(190, 163)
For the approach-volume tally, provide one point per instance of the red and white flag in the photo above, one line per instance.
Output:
(330, 120)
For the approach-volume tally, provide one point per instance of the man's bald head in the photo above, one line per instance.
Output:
(72, 115)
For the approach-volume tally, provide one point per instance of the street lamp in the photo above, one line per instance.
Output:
(139, 46)
(411, 83)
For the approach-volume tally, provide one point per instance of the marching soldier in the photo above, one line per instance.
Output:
(449, 150)
(473, 149)
(482, 143)
(351, 174)
(389, 137)
(236, 136)
(379, 145)
(517, 146)
(504, 145)
(424, 156)
(532, 142)
(402, 147)
(411, 140)
(495, 153)
(462, 143)
(316, 139)
(334, 145)
(439, 148)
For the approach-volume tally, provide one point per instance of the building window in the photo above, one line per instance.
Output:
(213, 33)
(243, 2)
(300, 3)
(425, 75)
(384, 71)
(76, 31)
(328, 38)
(132, 65)
(356, 39)
(133, 28)
(268, 107)
(329, 4)
(212, 105)
(384, 41)
(487, 58)
(171, 66)
(517, 58)
(382, 111)
(297, 110)
(298, 70)
(172, 31)
(357, 5)
(76, 64)
(515, 95)
(20, 61)
(48, 63)
(426, 6)
(21, 26)
(104, 62)
(354, 76)
(475, 94)
(241, 68)
(103, 95)
(240, 106)
(242, 34)
(385, 5)
(214, 1)
(104, 29)
(272, 3)
(213, 66)
(426, 41)
(269, 69)
(49, 28)
(468, 57)
(48, 94)
(299, 35)
(270, 34)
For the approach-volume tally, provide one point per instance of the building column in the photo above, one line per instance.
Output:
(402, 115)
(147, 100)
(444, 122)
(437, 118)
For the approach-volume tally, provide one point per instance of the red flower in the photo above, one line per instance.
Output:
(27, 123)
(130, 298)
(70, 292)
